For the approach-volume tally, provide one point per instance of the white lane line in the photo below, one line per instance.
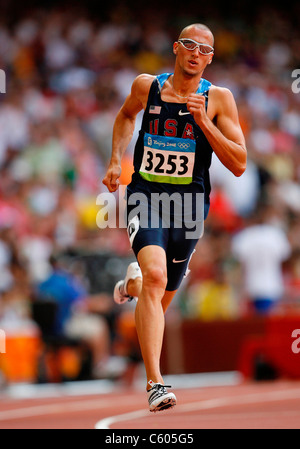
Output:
(250, 398)
(106, 422)
(46, 409)
(62, 407)
(256, 398)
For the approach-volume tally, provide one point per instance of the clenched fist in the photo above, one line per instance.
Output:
(111, 179)
(196, 106)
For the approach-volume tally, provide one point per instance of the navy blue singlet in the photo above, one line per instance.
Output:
(171, 148)
(171, 155)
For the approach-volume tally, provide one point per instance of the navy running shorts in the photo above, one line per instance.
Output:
(162, 220)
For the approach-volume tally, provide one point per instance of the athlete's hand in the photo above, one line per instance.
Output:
(111, 179)
(196, 106)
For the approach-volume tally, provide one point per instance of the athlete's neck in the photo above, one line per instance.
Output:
(184, 86)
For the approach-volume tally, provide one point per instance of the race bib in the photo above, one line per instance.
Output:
(168, 159)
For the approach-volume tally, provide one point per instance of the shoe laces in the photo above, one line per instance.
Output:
(160, 388)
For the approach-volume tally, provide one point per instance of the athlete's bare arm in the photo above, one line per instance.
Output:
(124, 127)
(221, 127)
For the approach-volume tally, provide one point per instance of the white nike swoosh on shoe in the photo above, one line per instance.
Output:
(178, 261)
(183, 113)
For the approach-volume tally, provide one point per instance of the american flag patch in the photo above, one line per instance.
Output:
(154, 109)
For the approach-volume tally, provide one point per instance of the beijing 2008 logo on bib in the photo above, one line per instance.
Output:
(168, 159)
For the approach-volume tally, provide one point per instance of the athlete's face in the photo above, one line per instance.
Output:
(193, 62)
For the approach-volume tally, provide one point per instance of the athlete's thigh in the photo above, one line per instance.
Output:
(145, 230)
(156, 255)
(152, 256)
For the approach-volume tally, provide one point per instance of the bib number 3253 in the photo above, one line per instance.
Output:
(168, 159)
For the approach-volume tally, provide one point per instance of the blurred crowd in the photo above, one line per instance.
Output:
(67, 73)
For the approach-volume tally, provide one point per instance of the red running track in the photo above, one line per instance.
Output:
(261, 405)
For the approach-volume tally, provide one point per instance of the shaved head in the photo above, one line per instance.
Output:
(186, 32)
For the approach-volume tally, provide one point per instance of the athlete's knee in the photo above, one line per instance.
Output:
(155, 276)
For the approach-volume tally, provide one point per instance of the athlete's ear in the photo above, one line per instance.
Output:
(210, 60)
(175, 47)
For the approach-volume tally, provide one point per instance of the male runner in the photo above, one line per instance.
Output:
(186, 118)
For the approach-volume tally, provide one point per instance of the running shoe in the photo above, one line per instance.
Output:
(120, 291)
(158, 397)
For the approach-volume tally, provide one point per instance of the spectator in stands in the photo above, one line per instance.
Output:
(74, 318)
(261, 248)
